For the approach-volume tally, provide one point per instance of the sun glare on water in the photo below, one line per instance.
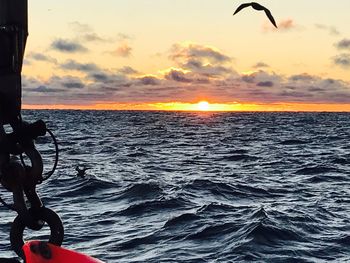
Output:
(203, 106)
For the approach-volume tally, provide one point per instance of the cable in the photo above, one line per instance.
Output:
(46, 176)
(49, 174)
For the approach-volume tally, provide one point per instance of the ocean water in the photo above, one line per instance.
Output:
(199, 187)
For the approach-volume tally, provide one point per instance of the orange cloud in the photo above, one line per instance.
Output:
(123, 50)
(198, 72)
(284, 25)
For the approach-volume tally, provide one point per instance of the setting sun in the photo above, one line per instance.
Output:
(203, 106)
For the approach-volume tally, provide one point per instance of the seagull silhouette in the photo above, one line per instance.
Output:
(258, 7)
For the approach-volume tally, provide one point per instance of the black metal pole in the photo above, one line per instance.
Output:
(13, 38)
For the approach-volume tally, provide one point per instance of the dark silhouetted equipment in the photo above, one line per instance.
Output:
(13, 37)
(258, 7)
(17, 176)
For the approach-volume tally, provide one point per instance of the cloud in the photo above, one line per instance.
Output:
(197, 71)
(283, 25)
(208, 70)
(343, 44)
(200, 60)
(300, 88)
(260, 65)
(55, 84)
(190, 51)
(83, 67)
(123, 50)
(149, 81)
(44, 89)
(93, 37)
(248, 78)
(123, 37)
(286, 24)
(77, 84)
(86, 33)
(258, 87)
(342, 60)
(261, 77)
(177, 75)
(128, 70)
(265, 84)
(80, 27)
(106, 77)
(41, 57)
(332, 30)
(304, 77)
(100, 77)
(67, 46)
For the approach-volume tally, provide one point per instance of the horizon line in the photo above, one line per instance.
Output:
(196, 111)
(196, 107)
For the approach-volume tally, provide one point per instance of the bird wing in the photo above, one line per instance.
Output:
(269, 15)
(242, 6)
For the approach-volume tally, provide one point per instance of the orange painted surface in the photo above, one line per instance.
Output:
(55, 255)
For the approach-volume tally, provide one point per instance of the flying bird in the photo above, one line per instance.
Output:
(258, 7)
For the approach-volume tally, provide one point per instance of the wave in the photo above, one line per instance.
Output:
(135, 242)
(238, 158)
(341, 160)
(219, 208)
(294, 142)
(261, 229)
(320, 178)
(315, 170)
(181, 220)
(85, 187)
(142, 191)
(183, 187)
(268, 234)
(155, 206)
(215, 231)
(225, 190)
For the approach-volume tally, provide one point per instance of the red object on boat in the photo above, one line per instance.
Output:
(43, 252)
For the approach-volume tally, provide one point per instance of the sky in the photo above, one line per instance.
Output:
(172, 54)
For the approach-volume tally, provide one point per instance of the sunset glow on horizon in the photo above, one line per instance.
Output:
(203, 106)
(193, 107)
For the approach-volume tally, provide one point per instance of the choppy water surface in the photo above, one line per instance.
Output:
(200, 187)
